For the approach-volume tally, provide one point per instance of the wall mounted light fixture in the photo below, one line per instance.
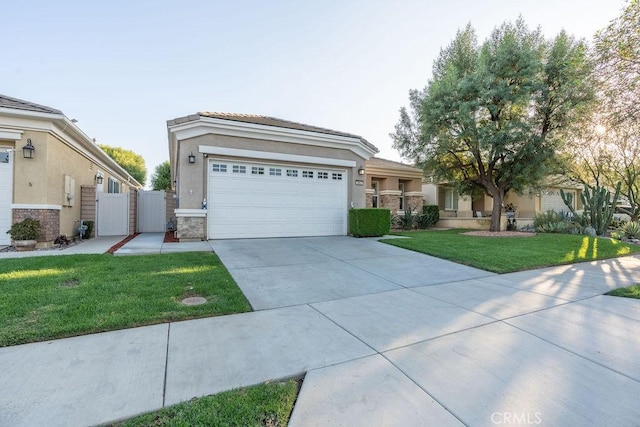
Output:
(192, 158)
(361, 170)
(27, 150)
(99, 178)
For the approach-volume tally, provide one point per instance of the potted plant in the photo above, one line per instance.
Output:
(25, 234)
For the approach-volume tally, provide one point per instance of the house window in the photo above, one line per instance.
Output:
(292, 173)
(307, 174)
(113, 186)
(450, 199)
(401, 188)
(323, 175)
(217, 167)
(4, 157)
(336, 176)
(275, 172)
(257, 170)
(374, 197)
(239, 169)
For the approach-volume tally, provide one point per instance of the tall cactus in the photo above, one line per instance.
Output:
(599, 207)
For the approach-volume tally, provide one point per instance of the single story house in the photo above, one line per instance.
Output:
(248, 176)
(45, 163)
(475, 212)
(393, 185)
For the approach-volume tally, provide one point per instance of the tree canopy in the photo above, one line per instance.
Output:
(129, 161)
(493, 115)
(605, 149)
(161, 178)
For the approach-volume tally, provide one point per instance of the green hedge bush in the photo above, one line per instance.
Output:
(369, 222)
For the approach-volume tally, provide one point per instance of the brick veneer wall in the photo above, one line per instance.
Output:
(190, 228)
(369, 200)
(414, 203)
(49, 222)
(390, 201)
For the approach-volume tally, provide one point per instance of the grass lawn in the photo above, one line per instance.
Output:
(507, 254)
(268, 404)
(50, 297)
(628, 292)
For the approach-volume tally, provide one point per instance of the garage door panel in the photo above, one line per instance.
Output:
(247, 205)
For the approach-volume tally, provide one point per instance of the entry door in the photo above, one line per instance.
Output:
(6, 193)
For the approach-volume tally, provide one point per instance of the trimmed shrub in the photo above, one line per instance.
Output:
(429, 217)
(369, 222)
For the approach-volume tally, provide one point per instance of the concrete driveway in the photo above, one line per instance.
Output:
(276, 273)
(384, 337)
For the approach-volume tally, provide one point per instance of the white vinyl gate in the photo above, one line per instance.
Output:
(151, 211)
(113, 214)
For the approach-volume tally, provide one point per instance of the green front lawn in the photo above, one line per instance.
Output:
(628, 292)
(49, 297)
(268, 404)
(507, 254)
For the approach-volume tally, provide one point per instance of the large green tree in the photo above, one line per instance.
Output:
(129, 161)
(493, 115)
(606, 149)
(161, 178)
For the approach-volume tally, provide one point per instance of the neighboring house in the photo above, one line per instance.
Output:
(245, 176)
(467, 212)
(45, 161)
(393, 185)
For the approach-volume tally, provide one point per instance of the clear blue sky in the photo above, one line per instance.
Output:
(122, 68)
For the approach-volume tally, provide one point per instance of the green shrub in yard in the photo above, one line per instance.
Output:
(369, 222)
(407, 220)
(631, 230)
(429, 217)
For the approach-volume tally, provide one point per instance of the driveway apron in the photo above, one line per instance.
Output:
(275, 273)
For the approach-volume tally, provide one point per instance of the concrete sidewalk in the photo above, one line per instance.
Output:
(96, 245)
(144, 243)
(538, 347)
(153, 243)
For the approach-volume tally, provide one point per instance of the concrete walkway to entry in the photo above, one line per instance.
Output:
(385, 337)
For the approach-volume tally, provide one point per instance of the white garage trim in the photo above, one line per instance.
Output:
(253, 199)
(266, 155)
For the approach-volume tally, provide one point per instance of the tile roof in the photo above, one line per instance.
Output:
(384, 163)
(19, 104)
(268, 121)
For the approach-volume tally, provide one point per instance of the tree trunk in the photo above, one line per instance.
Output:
(496, 212)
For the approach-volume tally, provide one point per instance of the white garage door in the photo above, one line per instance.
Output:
(248, 200)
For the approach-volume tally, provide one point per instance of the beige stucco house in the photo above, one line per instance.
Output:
(245, 176)
(393, 185)
(475, 212)
(45, 161)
